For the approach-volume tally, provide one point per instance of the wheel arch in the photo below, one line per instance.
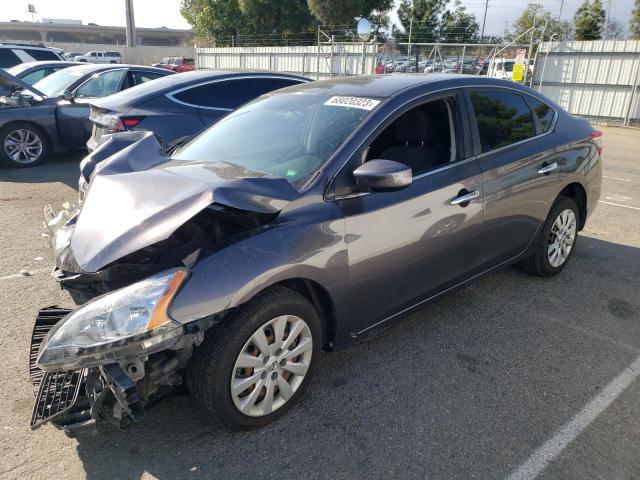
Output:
(42, 130)
(321, 299)
(577, 192)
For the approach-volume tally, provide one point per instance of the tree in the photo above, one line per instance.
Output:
(224, 20)
(344, 12)
(589, 20)
(634, 23)
(546, 26)
(426, 20)
(217, 20)
(278, 16)
(458, 26)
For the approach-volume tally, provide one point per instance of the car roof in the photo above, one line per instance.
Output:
(97, 67)
(385, 86)
(24, 45)
(148, 90)
(23, 67)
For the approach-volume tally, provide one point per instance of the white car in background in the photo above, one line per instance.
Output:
(100, 57)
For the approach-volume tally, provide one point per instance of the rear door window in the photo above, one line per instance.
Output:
(8, 58)
(230, 94)
(101, 85)
(42, 54)
(142, 77)
(503, 118)
(543, 111)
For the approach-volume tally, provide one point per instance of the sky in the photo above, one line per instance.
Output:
(158, 13)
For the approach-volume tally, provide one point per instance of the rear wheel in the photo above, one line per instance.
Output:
(252, 369)
(22, 145)
(557, 240)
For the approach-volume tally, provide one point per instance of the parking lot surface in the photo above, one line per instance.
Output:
(512, 376)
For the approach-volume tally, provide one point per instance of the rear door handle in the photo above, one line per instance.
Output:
(547, 168)
(463, 199)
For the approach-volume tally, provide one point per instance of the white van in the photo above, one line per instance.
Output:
(503, 68)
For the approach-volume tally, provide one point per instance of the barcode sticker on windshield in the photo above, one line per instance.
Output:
(353, 102)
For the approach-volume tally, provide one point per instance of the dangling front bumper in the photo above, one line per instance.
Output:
(75, 401)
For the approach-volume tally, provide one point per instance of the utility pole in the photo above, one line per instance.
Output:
(606, 20)
(561, 7)
(484, 20)
(410, 28)
(131, 24)
(506, 28)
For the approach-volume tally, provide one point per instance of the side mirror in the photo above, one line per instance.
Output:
(382, 175)
(66, 95)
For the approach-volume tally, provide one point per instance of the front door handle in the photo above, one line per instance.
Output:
(464, 197)
(546, 168)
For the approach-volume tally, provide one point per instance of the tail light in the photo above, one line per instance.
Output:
(118, 124)
(597, 139)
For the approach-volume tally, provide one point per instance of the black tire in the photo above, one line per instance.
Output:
(212, 364)
(7, 130)
(538, 262)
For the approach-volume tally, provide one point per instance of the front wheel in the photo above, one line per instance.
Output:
(22, 145)
(252, 369)
(557, 240)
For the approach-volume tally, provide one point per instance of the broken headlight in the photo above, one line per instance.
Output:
(127, 322)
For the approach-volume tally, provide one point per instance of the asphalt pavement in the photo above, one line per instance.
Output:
(512, 376)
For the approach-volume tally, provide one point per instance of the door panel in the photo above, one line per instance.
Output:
(74, 127)
(406, 246)
(517, 195)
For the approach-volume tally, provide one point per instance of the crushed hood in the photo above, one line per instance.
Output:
(9, 84)
(126, 210)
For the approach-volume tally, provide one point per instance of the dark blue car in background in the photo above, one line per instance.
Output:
(184, 104)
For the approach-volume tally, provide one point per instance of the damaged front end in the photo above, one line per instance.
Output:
(111, 358)
(141, 213)
(207, 231)
(123, 254)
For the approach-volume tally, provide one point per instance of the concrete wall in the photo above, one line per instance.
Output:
(140, 55)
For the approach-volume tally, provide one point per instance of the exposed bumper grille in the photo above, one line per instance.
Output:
(46, 319)
(57, 394)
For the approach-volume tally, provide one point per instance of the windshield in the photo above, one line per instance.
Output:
(287, 135)
(58, 82)
(508, 66)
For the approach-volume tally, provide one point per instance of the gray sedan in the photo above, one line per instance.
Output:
(305, 220)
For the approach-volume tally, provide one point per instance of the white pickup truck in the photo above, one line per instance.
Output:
(100, 57)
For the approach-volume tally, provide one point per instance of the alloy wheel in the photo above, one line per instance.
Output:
(271, 366)
(561, 238)
(23, 146)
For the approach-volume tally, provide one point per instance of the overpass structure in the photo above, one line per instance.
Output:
(93, 34)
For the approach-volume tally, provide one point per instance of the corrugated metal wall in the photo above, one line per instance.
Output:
(313, 61)
(597, 79)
